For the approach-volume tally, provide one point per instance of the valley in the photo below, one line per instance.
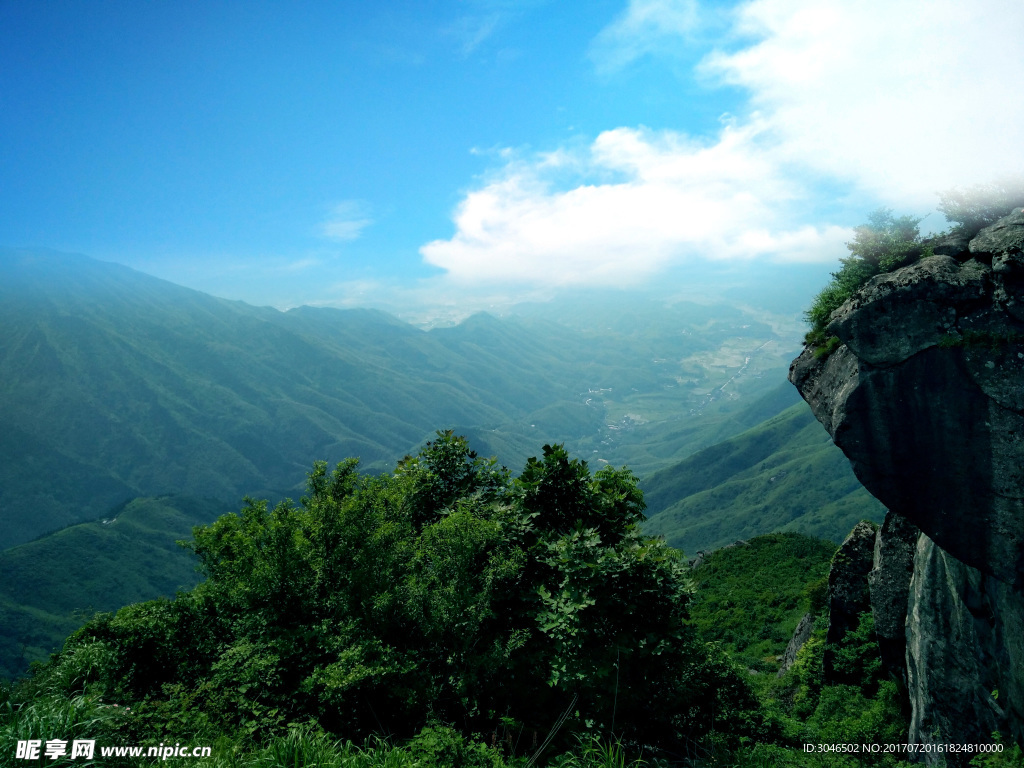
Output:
(116, 386)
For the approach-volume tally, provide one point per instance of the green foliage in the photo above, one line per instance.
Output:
(750, 598)
(883, 244)
(778, 756)
(49, 586)
(765, 586)
(445, 592)
(1007, 756)
(864, 707)
(845, 714)
(439, 745)
(63, 704)
(974, 208)
(830, 345)
(592, 752)
(816, 594)
(856, 658)
(52, 716)
(305, 747)
(784, 474)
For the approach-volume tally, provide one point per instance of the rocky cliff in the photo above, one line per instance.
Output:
(925, 395)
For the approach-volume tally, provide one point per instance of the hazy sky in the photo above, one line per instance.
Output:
(367, 152)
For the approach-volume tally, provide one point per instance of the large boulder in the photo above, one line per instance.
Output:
(889, 583)
(955, 244)
(1003, 236)
(925, 396)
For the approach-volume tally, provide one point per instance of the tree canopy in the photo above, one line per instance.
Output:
(445, 592)
(973, 208)
(884, 243)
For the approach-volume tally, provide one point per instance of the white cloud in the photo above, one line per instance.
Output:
(674, 197)
(301, 265)
(472, 31)
(482, 19)
(346, 221)
(645, 27)
(888, 101)
(901, 97)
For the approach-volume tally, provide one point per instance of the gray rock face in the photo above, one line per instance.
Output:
(1004, 236)
(965, 654)
(925, 395)
(848, 595)
(889, 583)
(954, 244)
(926, 398)
(801, 635)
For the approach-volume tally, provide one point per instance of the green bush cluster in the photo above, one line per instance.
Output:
(974, 208)
(750, 598)
(863, 706)
(887, 242)
(443, 594)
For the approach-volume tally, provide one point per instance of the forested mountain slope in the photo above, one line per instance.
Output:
(132, 386)
(50, 586)
(784, 474)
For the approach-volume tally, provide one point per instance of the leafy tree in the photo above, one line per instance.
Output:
(446, 592)
(973, 208)
(884, 243)
(887, 242)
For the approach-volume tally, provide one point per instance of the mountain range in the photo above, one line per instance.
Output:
(126, 398)
(115, 384)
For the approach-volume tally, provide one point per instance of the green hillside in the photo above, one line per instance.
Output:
(134, 386)
(782, 475)
(751, 597)
(50, 586)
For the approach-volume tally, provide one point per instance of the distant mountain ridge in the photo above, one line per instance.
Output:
(132, 386)
(115, 384)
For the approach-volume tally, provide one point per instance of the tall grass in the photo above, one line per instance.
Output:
(53, 717)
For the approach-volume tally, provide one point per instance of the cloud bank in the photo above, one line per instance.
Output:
(883, 100)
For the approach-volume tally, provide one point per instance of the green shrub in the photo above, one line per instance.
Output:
(439, 745)
(593, 752)
(1009, 756)
(883, 244)
(831, 344)
(445, 592)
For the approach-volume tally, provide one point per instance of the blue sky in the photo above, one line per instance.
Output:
(405, 154)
